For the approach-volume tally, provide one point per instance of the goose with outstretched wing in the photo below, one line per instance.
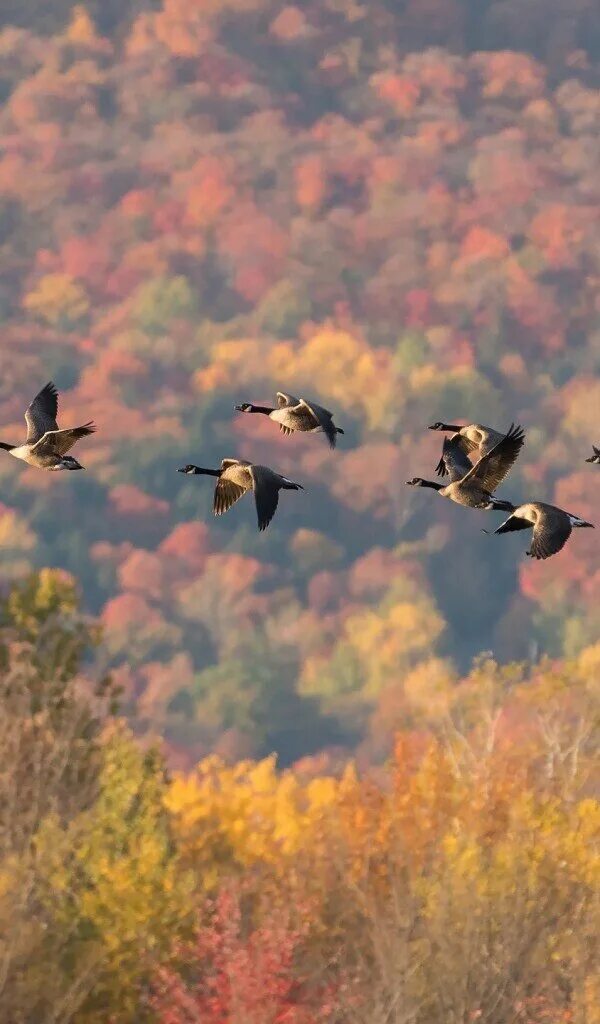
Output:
(474, 486)
(235, 477)
(475, 440)
(46, 446)
(293, 414)
(551, 526)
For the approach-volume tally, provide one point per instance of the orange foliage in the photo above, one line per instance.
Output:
(289, 24)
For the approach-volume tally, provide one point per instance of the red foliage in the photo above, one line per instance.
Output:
(128, 610)
(188, 544)
(237, 973)
(129, 500)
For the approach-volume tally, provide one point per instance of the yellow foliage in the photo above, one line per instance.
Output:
(387, 641)
(358, 377)
(58, 299)
(428, 687)
(229, 819)
(228, 358)
(16, 541)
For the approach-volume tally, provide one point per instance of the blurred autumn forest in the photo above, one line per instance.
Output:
(381, 726)
(204, 202)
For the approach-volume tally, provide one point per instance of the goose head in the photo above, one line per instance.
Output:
(68, 462)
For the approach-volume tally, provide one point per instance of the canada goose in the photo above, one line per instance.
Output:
(46, 446)
(296, 414)
(551, 526)
(475, 487)
(473, 437)
(236, 476)
(595, 457)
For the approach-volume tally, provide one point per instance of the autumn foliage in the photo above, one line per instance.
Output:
(203, 203)
(319, 801)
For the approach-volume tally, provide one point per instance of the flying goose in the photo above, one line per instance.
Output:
(236, 476)
(595, 457)
(297, 414)
(46, 446)
(552, 526)
(473, 437)
(474, 486)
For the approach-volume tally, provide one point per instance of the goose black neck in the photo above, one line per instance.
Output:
(207, 472)
(431, 483)
(261, 408)
(449, 426)
(7, 447)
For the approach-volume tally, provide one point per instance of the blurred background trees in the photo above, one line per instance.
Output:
(391, 207)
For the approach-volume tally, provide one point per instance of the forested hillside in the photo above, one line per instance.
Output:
(457, 883)
(392, 208)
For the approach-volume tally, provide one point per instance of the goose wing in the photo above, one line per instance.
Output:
(266, 494)
(59, 442)
(234, 481)
(41, 413)
(454, 461)
(323, 418)
(228, 463)
(491, 469)
(551, 532)
(462, 446)
(286, 401)
(513, 523)
(226, 495)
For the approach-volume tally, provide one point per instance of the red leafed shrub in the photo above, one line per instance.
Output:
(240, 974)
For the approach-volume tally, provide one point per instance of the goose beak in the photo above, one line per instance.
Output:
(238, 408)
(589, 525)
(181, 470)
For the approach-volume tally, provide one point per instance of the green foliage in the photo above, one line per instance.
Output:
(90, 894)
(111, 885)
(159, 302)
(283, 309)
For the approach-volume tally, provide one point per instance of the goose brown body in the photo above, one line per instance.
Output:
(236, 477)
(551, 526)
(474, 485)
(474, 440)
(294, 414)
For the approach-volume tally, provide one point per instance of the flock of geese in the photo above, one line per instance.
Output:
(475, 458)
